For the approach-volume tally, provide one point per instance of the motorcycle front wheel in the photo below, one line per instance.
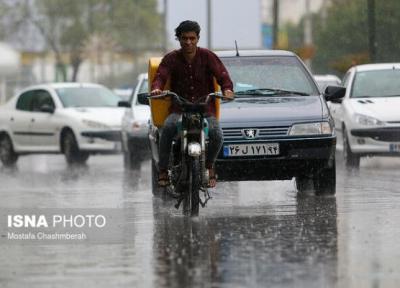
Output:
(191, 200)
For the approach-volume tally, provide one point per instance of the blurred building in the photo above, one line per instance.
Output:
(9, 66)
(37, 64)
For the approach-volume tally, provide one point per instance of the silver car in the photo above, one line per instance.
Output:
(135, 121)
(76, 119)
(367, 118)
(326, 80)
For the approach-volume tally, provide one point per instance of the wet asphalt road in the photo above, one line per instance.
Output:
(252, 234)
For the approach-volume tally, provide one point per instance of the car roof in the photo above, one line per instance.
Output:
(326, 77)
(58, 85)
(247, 53)
(377, 66)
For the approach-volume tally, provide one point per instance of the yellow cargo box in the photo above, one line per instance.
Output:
(160, 108)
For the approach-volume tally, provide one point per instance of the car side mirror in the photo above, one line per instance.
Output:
(143, 98)
(334, 94)
(125, 104)
(46, 108)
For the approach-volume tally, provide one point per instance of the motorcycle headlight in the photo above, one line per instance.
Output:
(318, 128)
(194, 149)
(94, 124)
(367, 120)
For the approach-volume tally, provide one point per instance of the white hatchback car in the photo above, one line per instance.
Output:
(368, 118)
(71, 118)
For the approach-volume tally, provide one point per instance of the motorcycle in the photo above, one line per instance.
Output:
(188, 175)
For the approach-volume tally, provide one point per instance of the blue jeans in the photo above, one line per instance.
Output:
(169, 131)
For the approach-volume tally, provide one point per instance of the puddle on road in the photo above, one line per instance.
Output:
(251, 233)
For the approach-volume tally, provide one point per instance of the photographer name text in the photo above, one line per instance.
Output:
(46, 236)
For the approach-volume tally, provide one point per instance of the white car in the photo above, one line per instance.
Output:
(326, 80)
(368, 118)
(76, 119)
(134, 136)
(123, 93)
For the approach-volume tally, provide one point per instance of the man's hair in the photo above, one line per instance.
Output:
(187, 26)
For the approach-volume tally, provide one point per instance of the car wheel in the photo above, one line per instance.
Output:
(7, 154)
(350, 159)
(71, 150)
(325, 181)
(132, 159)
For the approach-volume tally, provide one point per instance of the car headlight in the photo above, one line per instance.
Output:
(367, 120)
(318, 128)
(95, 124)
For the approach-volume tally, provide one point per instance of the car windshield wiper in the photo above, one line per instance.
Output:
(283, 91)
(262, 91)
(258, 91)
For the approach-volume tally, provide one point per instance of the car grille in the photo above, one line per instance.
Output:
(236, 134)
(380, 134)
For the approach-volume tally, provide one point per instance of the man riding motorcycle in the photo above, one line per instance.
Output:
(191, 71)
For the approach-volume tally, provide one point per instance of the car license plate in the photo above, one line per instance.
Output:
(394, 147)
(242, 150)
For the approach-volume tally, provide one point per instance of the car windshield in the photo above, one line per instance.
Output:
(269, 76)
(87, 97)
(379, 83)
(143, 89)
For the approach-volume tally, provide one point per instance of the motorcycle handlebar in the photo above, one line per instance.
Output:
(182, 100)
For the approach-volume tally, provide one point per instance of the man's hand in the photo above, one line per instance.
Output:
(156, 92)
(228, 94)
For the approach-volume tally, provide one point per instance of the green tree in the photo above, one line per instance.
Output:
(343, 36)
(342, 39)
(135, 25)
(65, 29)
(68, 26)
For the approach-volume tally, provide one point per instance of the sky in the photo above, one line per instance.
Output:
(231, 20)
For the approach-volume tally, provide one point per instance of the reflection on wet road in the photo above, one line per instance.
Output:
(252, 234)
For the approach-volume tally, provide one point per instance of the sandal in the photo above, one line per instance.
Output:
(163, 179)
(212, 180)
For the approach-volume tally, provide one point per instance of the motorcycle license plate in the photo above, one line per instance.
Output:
(243, 150)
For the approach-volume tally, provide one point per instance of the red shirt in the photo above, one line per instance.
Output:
(192, 80)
